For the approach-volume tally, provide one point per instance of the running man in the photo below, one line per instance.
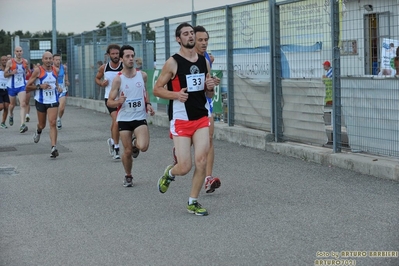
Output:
(44, 82)
(4, 98)
(187, 77)
(63, 82)
(128, 94)
(201, 44)
(105, 76)
(27, 97)
(16, 69)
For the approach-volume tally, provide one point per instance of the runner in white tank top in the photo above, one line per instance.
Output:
(4, 98)
(134, 106)
(129, 95)
(105, 75)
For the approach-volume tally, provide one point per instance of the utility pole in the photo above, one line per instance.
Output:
(54, 46)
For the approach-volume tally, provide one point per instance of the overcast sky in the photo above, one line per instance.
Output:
(84, 15)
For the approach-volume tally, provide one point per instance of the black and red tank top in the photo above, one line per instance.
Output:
(190, 75)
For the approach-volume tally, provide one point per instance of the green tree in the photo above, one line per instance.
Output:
(5, 40)
(101, 25)
(113, 23)
(34, 41)
(115, 29)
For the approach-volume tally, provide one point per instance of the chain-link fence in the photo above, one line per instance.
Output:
(274, 59)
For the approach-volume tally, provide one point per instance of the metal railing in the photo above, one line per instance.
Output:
(270, 55)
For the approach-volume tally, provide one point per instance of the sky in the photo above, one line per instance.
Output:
(78, 16)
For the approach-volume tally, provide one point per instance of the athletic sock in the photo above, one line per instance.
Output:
(170, 173)
(190, 200)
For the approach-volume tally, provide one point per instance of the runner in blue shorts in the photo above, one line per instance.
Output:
(44, 83)
(16, 70)
(63, 82)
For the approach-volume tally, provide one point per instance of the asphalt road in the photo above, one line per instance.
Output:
(269, 210)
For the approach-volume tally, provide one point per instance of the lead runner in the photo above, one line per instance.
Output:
(187, 77)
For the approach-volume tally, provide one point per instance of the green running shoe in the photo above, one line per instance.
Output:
(11, 120)
(164, 181)
(197, 209)
(3, 125)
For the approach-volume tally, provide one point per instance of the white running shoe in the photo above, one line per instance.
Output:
(110, 147)
(116, 154)
(36, 137)
(59, 124)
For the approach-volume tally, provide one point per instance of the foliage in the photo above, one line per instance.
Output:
(35, 38)
(101, 25)
(149, 32)
(7, 37)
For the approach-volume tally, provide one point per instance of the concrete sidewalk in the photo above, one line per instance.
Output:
(378, 166)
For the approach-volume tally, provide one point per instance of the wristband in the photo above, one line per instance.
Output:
(147, 104)
(38, 87)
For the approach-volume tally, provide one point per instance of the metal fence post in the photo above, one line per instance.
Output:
(193, 19)
(230, 66)
(336, 80)
(167, 38)
(82, 78)
(71, 66)
(144, 45)
(124, 33)
(108, 35)
(275, 72)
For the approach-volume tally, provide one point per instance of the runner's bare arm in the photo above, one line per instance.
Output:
(147, 103)
(66, 75)
(7, 72)
(59, 89)
(113, 102)
(99, 77)
(168, 72)
(209, 82)
(145, 77)
(30, 86)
